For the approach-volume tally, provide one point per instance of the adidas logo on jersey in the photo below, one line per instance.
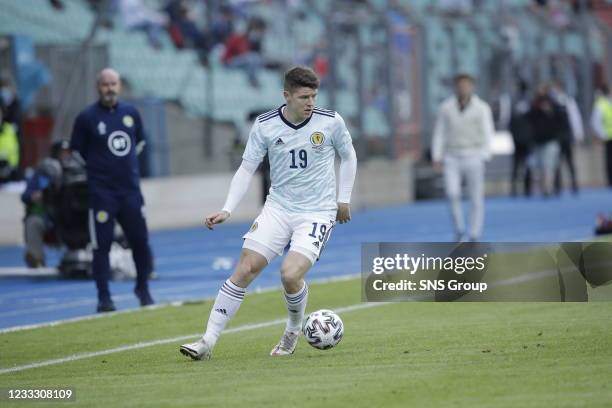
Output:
(279, 142)
(316, 243)
(222, 311)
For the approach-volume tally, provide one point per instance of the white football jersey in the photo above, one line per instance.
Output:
(301, 158)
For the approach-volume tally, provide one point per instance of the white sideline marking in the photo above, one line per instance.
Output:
(358, 306)
(136, 346)
(74, 303)
(80, 318)
(256, 289)
(18, 271)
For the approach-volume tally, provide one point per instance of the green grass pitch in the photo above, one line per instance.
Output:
(392, 355)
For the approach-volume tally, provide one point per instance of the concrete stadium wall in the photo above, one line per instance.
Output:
(590, 165)
(189, 152)
(11, 215)
(184, 201)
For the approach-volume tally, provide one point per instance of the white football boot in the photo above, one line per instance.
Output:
(287, 344)
(199, 350)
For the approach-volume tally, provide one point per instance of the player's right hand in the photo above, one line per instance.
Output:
(343, 215)
(216, 218)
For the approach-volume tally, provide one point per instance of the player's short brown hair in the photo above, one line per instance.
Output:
(463, 76)
(298, 77)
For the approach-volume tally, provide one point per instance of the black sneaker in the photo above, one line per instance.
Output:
(33, 262)
(144, 297)
(106, 305)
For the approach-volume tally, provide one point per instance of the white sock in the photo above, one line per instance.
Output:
(226, 305)
(296, 305)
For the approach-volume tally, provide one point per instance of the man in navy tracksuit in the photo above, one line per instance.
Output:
(109, 135)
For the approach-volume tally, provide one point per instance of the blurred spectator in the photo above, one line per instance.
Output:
(316, 57)
(105, 11)
(521, 131)
(601, 122)
(243, 50)
(9, 149)
(548, 122)
(8, 99)
(12, 114)
(557, 12)
(183, 29)
(461, 144)
(320, 65)
(41, 188)
(137, 16)
(573, 133)
(222, 25)
(539, 7)
(57, 4)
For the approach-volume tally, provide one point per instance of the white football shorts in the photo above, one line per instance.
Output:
(307, 232)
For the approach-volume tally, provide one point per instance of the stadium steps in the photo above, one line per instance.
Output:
(39, 20)
(167, 73)
(176, 75)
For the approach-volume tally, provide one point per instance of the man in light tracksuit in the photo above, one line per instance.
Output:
(460, 146)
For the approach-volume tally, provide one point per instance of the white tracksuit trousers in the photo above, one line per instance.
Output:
(471, 168)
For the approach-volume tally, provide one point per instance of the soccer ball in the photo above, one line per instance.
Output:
(323, 329)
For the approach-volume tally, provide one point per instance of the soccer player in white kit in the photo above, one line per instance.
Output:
(301, 141)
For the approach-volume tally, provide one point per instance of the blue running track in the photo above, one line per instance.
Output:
(192, 263)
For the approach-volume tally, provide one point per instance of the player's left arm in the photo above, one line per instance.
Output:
(348, 170)
(140, 135)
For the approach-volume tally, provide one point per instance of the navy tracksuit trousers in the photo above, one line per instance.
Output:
(127, 208)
